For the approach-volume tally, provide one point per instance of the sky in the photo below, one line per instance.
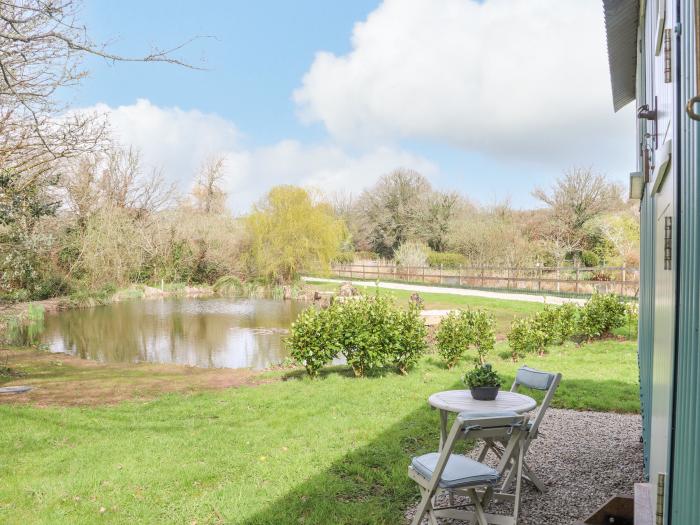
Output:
(488, 98)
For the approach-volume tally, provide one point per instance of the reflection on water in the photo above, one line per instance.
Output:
(211, 332)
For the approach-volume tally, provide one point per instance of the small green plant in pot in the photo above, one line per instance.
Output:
(483, 381)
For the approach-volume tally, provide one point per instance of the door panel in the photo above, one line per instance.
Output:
(662, 393)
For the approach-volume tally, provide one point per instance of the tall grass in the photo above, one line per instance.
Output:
(232, 286)
(24, 329)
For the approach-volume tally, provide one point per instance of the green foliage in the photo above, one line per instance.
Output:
(315, 338)
(482, 375)
(289, 232)
(411, 254)
(567, 320)
(446, 260)
(526, 337)
(370, 332)
(557, 323)
(601, 314)
(409, 340)
(460, 330)
(228, 285)
(24, 329)
(552, 325)
(590, 258)
(51, 286)
(344, 258)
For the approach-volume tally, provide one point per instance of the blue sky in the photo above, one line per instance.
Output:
(381, 96)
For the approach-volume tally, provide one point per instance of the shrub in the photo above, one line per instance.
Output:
(446, 260)
(567, 320)
(454, 336)
(411, 254)
(483, 326)
(525, 337)
(460, 330)
(370, 332)
(410, 341)
(482, 375)
(228, 285)
(51, 286)
(601, 314)
(315, 338)
(590, 258)
(344, 258)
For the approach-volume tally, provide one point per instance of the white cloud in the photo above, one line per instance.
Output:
(509, 78)
(179, 140)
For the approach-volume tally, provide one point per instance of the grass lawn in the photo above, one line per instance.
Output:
(504, 311)
(332, 450)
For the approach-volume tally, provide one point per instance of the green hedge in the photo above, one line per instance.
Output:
(555, 324)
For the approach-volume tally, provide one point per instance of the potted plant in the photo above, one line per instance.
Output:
(483, 381)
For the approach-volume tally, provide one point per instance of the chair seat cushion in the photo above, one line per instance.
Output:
(467, 414)
(460, 471)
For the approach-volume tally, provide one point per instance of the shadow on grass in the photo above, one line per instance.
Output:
(370, 485)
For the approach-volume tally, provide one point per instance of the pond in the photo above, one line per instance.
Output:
(204, 332)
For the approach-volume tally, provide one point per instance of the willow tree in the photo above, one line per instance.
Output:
(290, 232)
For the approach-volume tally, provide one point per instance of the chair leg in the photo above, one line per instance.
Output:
(532, 478)
(424, 506)
(518, 483)
(478, 508)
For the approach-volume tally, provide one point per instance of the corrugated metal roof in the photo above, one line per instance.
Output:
(621, 20)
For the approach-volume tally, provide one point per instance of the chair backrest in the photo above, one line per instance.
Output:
(537, 380)
(467, 422)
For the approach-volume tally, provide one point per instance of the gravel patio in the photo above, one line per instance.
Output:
(583, 458)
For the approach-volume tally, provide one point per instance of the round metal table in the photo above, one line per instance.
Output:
(461, 401)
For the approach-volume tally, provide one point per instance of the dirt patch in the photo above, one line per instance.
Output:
(64, 380)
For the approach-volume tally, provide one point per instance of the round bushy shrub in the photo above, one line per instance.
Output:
(590, 258)
(370, 332)
(315, 338)
(454, 336)
(525, 337)
(460, 330)
(601, 314)
(410, 341)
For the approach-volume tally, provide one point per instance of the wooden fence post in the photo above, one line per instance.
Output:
(539, 279)
(482, 276)
(459, 276)
(423, 275)
(622, 283)
(577, 277)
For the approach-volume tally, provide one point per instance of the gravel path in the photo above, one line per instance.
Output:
(583, 458)
(528, 298)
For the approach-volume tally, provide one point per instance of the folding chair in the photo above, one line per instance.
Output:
(536, 380)
(461, 475)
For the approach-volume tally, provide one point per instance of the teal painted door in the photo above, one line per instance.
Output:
(663, 372)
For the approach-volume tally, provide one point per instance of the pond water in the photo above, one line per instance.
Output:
(204, 332)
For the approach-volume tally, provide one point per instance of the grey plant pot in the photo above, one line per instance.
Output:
(484, 393)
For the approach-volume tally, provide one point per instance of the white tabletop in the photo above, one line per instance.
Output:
(461, 401)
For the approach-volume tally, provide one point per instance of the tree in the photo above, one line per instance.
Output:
(207, 194)
(579, 196)
(576, 199)
(621, 230)
(391, 212)
(289, 232)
